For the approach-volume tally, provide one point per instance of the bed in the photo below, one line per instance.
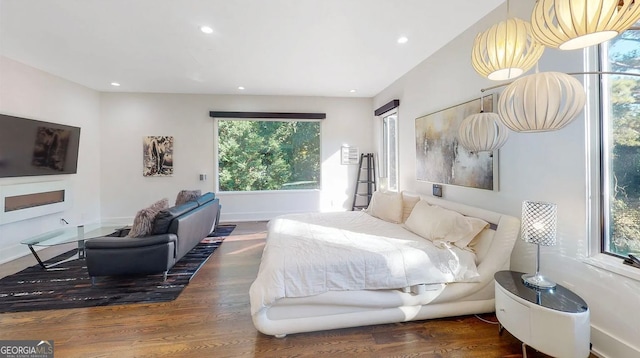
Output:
(322, 271)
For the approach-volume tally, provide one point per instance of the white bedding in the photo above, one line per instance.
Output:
(310, 254)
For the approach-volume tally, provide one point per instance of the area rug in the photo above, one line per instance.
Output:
(34, 289)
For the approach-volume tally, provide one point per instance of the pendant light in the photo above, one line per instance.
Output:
(574, 24)
(541, 102)
(482, 132)
(506, 50)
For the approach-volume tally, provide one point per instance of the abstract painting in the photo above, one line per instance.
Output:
(157, 154)
(441, 159)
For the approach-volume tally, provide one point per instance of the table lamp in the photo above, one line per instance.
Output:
(539, 220)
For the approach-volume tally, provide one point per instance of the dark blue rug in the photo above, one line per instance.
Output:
(34, 289)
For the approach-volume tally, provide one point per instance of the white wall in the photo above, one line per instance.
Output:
(127, 117)
(544, 166)
(30, 93)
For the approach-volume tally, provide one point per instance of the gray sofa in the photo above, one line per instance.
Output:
(175, 232)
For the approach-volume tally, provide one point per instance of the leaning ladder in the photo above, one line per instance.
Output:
(365, 184)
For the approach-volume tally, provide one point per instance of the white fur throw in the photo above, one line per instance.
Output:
(185, 196)
(143, 222)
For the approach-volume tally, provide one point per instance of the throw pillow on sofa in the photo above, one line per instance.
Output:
(185, 196)
(435, 223)
(386, 206)
(143, 222)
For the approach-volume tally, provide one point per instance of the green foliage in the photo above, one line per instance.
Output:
(268, 155)
(625, 125)
(625, 231)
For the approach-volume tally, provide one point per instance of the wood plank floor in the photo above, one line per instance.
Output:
(211, 319)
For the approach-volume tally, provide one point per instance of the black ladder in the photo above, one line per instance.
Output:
(366, 181)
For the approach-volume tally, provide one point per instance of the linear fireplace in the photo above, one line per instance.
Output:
(25, 201)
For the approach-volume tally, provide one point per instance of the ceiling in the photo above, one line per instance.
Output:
(270, 47)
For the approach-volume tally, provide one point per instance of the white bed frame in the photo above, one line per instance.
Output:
(342, 309)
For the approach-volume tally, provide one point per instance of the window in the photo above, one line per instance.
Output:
(620, 144)
(390, 151)
(256, 155)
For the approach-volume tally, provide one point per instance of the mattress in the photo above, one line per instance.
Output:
(314, 253)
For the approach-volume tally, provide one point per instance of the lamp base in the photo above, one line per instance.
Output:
(536, 280)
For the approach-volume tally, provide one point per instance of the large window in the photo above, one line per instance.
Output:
(258, 155)
(390, 151)
(620, 143)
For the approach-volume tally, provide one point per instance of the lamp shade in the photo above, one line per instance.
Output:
(541, 102)
(574, 24)
(482, 132)
(506, 50)
(539, 221)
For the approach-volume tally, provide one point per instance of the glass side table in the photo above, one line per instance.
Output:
(67, 235)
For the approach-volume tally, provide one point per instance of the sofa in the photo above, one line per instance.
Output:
(175, 232)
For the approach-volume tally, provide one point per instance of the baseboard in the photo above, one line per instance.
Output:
(605, 345)
(14, 252)
(251, 216)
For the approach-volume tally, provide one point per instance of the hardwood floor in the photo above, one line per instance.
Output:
(211, 319)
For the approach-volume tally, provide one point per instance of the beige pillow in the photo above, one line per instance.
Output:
(481, 243)
(143, 222)
(408, 202)
(386, 206)
(436, 223)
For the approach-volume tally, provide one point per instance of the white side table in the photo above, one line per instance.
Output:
(554, 322)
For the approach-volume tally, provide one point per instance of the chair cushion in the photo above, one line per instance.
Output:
(205, 198)
(164, 217)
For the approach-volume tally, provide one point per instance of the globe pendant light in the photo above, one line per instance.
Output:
(541, 102)
(482, 132)
(574, 24)
(506, 50)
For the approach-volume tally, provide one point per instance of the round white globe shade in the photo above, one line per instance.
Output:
(505, 50)
(482, 132)
(541, 102)
(575, 24)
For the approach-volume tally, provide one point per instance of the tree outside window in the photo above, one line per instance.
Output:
(620, 131)
(257, 155)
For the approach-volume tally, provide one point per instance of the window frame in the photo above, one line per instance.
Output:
(595, 255)
(385, 149)
(216, 135)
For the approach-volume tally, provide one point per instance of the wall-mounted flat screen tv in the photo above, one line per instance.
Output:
(29, 147)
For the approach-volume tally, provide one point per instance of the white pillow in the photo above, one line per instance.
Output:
(481, 243)
(439, 224)
(408, 203)
(386, 206)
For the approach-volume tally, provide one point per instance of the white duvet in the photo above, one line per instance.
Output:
(309, 254)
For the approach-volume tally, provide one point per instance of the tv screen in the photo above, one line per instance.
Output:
(29, 147)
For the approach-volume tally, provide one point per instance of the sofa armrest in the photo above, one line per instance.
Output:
(107, 242)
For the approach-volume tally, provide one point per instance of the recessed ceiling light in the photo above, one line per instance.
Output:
(353, 91)
(206, 29)
(115, 84)
(240, 88)
(402, 40)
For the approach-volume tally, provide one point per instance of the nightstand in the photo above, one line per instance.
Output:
(554, 322)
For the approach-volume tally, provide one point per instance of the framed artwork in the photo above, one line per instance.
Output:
(349, 155)
(157, 156)
(441, 159)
